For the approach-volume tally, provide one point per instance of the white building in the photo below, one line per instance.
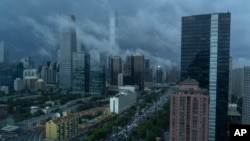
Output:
(4, 89)
(126, 98)
(18, 84)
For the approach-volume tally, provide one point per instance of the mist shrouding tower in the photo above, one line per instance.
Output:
(4, 54)
(67, 47)
(113, 21)
(205, 47)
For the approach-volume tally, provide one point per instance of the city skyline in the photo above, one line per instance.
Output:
(150, 28)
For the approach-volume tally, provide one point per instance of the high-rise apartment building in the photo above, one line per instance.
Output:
(189, 112)
(4, 53)
(205, 47)
(137, 70)
(116, 68)
(67, 47)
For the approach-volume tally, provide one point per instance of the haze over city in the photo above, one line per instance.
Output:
(153, 28)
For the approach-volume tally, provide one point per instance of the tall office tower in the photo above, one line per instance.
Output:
(127, 65)
(81, 72)
(9, 72)
(189, 112)
(237, 81)
(147, 71)
(205, 46)
(246, 96)
(27, 63)
(4, 53)
(97, 81)
(230, 80)
(103, 59)
(113, 29)
(116, 68)
(104, 63)
(52, 73)
(67, 47)
(137, 70)
(159, 75)
(44, 73)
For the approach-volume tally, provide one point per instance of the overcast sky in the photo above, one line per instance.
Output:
(152, 27)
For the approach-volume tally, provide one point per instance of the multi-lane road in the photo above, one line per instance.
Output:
(123, 133)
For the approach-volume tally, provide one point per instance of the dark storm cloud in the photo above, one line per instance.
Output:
(151, 27)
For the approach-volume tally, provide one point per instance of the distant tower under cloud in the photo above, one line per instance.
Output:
(113, 22)
(67, 47)
(4, 54)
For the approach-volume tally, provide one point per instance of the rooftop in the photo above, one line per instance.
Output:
(10, 128)
(189, 82)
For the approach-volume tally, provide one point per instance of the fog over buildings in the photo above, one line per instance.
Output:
(152, 28)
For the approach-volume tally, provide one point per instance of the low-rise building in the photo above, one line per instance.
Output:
(234, 116)
(62, 129)
(126, 98)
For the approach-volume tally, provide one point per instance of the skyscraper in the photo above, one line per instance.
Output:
(148, 77)
(113, 29)
(159, 75)
(137, 70)
(4, 54)
(81, 72)
(245, 95)
(97, 81)
(205, 46)
(67, 47)
(116, 68)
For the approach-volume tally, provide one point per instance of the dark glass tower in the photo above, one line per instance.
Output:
(116, 68)
(137, 70)
(205, 47)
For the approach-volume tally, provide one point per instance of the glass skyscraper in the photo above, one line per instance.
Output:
(67, 47)
(205, 47)
(137, 70)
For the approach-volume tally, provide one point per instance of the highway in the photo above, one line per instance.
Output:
(123, 133)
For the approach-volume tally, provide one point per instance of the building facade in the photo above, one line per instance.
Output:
(159, 75)
(116, 68)
(137, 70)
(98, 81)
(189, 112)
(237, 81)
(4, 53)
(81, 72)
(18, 84)
(246, 96)
(123, 100)
(62, 129)
(205, 47)
(67, 47)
